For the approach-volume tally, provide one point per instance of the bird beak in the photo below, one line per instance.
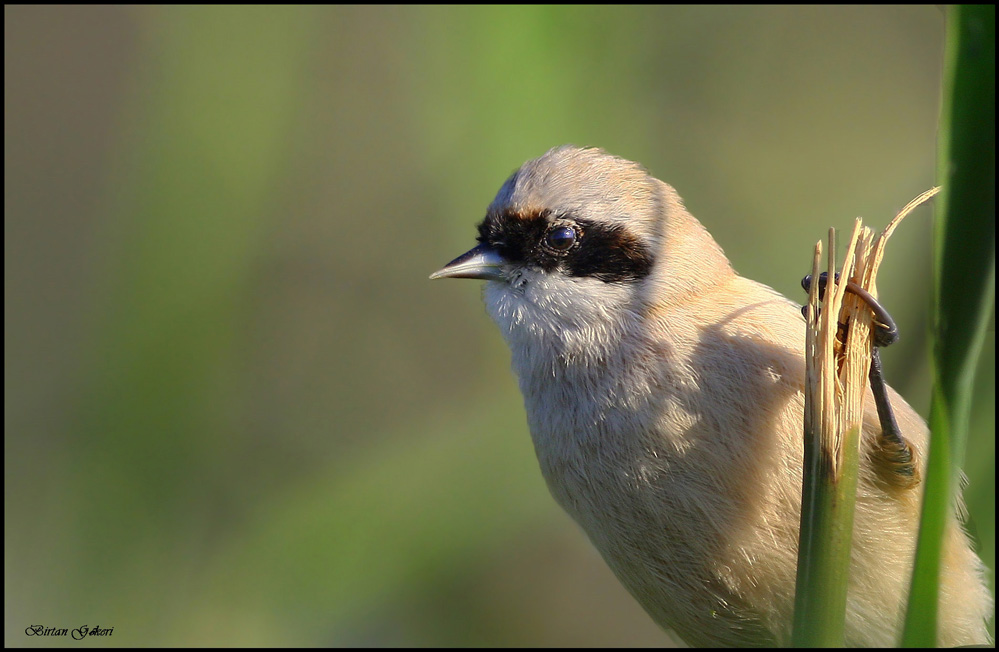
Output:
(481, 262)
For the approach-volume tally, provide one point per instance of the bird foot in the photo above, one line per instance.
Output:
(896, 460)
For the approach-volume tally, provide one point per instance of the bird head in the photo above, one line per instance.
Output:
(578, 244)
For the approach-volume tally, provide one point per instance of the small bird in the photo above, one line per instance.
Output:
(665, 397)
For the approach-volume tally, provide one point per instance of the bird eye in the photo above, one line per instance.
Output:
(560, 238)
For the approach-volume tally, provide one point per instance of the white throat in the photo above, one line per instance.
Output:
(574, 344)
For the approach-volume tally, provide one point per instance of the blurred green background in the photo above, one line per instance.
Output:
(237, 412)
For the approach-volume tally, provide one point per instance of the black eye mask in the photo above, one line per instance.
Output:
(603, 251)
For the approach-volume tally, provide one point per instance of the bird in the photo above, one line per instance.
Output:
(664, 395)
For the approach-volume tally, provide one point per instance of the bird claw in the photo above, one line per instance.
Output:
(885, 329)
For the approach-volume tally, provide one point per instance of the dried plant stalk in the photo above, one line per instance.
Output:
(843, 358)
(838, 344)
